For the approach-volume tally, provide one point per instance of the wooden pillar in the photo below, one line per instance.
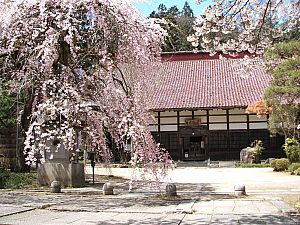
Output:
(178, 136)
(178, 121)
(228, 136)
(269, 139)
(158, 121)
(207, 122)
(248, 128)
(207, 119)
(193, 114)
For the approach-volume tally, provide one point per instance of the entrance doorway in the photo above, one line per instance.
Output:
(193, 142)
(197, 150)
(194, 147)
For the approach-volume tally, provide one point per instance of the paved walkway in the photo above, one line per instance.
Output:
(80, 208)
(196, 203)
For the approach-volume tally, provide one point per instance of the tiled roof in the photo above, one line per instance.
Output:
(208, 83)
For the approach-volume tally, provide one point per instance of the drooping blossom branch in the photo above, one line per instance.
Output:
(244, 25)
(86, 62)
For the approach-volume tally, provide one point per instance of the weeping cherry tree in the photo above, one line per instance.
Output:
(85, 64)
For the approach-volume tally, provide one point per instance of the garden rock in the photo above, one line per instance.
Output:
(247, 155)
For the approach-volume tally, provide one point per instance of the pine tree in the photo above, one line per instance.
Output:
(185, 23)
(179, 25)
(284, 92)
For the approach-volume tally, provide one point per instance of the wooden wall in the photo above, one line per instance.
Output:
(229, 131)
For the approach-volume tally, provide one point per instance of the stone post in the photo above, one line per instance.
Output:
(239, 190)
(55, 187)
(171, 190)
(108, 189)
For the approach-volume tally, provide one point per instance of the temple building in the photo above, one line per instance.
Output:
(199, 107)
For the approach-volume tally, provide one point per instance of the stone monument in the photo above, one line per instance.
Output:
(57, 167)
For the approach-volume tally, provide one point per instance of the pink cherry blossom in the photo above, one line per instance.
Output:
(87, 63)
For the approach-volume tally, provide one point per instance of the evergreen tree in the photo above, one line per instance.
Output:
(185, 23)
(284, 92)
(162, 7)
(187, 10)
(179, 25)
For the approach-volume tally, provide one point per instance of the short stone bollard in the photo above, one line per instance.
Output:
(108, 189)
(239, 190)
(171, 190)
(55, 187)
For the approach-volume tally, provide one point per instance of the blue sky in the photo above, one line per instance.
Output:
(147, 7)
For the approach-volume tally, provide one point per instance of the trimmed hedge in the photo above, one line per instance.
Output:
(294, 168)
(17, 180)
(280, 164)
(251, 165)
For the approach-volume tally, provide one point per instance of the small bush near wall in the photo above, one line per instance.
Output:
(253, 165)
(294, 168)
(280, 164)
(17, 180)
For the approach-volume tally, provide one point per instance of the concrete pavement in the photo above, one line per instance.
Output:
(208, 202)
(139, 208)
(227, 211)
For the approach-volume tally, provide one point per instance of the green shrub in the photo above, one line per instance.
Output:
(3, 179)
(280, 164)
(253, 165)
(293, 167)
(292, 149)
(16, 180)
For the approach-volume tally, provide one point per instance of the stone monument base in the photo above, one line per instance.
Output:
(64, 172)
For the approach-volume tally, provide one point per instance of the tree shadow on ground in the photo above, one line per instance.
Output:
(201, 219)
(142, 196)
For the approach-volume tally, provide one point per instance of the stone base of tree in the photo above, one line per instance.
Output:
(67, 174)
